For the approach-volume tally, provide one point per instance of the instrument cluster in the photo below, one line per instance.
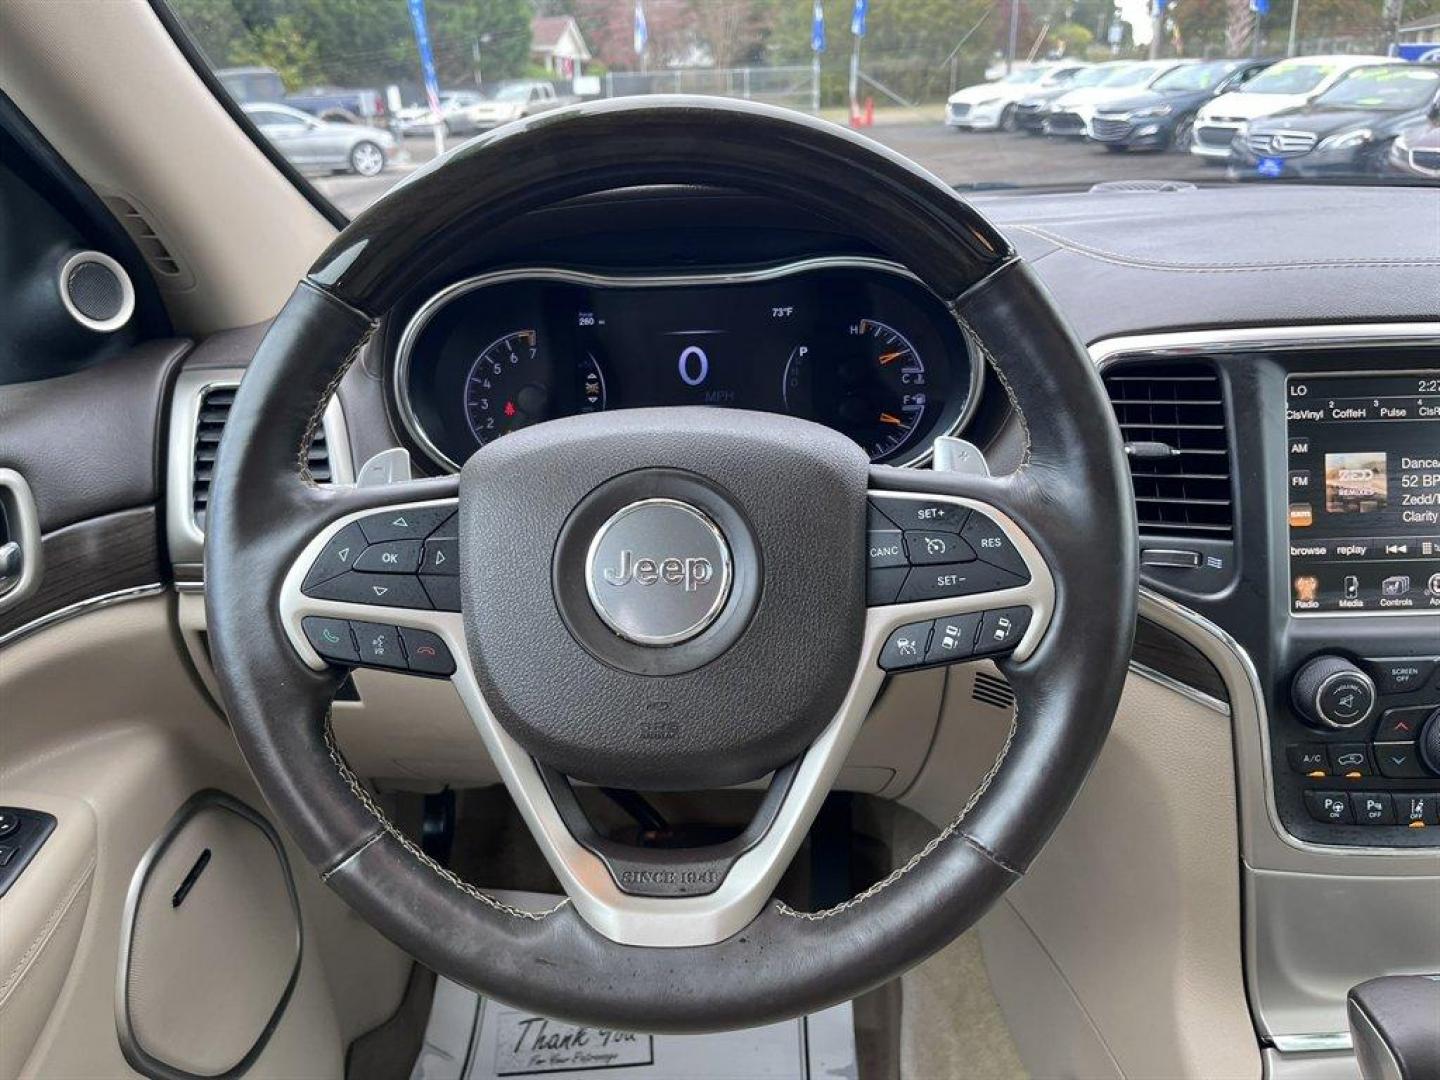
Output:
(856, 344)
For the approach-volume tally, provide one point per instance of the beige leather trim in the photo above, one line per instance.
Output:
(41, 919)
(1135, 903)
(125, 746)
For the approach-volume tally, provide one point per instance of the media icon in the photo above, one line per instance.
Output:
(1352, 587)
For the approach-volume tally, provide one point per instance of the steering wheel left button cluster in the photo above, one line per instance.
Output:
(407, 558)
(380, 645)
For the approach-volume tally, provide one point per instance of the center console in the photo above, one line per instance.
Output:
(1311, 581)
(1360, 731)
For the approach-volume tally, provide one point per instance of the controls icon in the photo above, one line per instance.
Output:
(1396, 585)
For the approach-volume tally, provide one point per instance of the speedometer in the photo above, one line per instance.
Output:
(868, 383)
(511, 385)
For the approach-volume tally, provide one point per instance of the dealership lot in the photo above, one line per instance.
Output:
(962, 158)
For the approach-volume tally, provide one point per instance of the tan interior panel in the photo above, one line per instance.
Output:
(213, 928)
(107, 86)
(131, 741)
(41, 917)
(1136, 901)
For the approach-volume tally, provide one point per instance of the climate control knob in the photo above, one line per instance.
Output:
(1332, 692)
(1430, 742)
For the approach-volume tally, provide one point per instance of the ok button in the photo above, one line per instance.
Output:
(390, 557)
(885, 548)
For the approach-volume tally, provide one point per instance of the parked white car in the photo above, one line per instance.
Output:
(512, 100)
(991, 106)
(1072, 113)
(1287, 85)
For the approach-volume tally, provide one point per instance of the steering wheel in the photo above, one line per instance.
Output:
(668, 599)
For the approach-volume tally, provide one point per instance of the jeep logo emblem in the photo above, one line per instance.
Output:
(658, 572)
(691, 573)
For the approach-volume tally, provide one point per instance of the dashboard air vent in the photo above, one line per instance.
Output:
(1172, 418)
(209, 423)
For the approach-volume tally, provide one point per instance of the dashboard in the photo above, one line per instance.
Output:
(856, 344)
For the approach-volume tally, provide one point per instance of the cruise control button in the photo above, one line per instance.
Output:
(930, 546)
(883, 586)
(1400, 676)
(1399, 760)
(383, 590)
(1372, 808)
(953, 638)
(415, 523)
(379, 645)
(441, 557)
(391, 557)
(1001, 630)
(1350, 760)
(339, 555)
(444, 592)
(1308, 758)
(1415, 810)
(906, 646)
(884, 548)
(992, 545)
(426, 652)
(1399, 725)
(330, 638)
(922, 513)
(955, 579)
(1331, 807)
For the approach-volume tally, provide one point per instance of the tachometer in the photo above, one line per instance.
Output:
(511, 385)
(868, 383)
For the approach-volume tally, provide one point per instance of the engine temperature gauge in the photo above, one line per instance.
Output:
(868, 382)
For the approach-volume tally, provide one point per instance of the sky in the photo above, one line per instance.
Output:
(1137, 14)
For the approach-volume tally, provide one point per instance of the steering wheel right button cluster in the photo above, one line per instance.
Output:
(947, 550)
(960, 637)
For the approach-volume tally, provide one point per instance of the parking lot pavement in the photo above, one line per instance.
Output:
(957, 157)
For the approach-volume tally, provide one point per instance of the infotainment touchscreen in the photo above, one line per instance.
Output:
(1364, 492)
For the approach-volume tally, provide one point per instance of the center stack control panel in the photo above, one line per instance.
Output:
(1361, 746)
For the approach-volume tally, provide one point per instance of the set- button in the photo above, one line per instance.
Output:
(959, 637)
(920, 549)
(399, 558)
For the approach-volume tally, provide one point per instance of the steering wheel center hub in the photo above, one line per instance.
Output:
(658, 572)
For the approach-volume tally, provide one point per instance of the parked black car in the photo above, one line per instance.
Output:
(1346, 131)
(1163, 115)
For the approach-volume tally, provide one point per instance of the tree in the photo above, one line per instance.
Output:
(283, 47)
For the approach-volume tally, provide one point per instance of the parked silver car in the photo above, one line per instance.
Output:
(323, 145)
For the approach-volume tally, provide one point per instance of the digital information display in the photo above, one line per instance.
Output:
(1364, 492)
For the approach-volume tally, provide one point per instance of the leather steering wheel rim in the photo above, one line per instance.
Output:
(1071, 498)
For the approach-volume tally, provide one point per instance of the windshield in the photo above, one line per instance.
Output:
(1194, 76)
(1291, 78)
(1136, 75)
(906, 73)
(1384, 88)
